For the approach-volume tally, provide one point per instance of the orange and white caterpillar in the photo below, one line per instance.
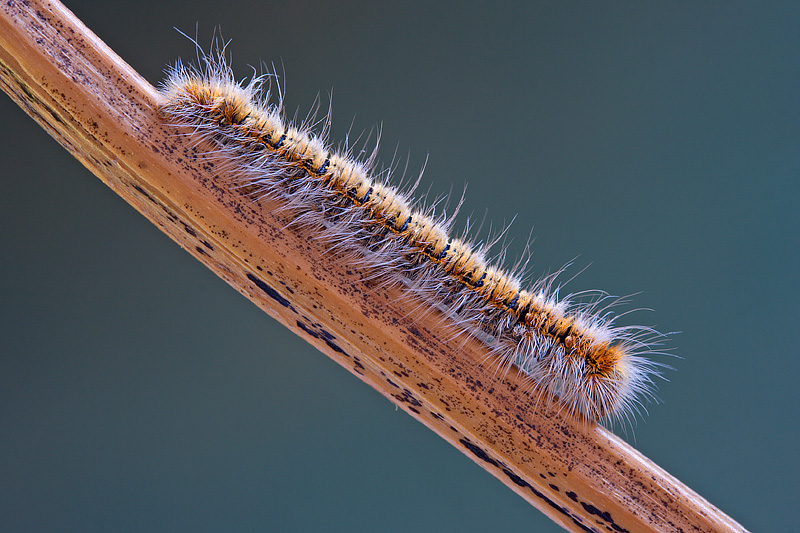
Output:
(570, 349)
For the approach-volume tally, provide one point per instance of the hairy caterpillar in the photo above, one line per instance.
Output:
(567, 348)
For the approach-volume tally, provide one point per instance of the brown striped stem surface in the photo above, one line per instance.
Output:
(576, 472)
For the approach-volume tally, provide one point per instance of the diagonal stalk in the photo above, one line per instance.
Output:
(579, 474)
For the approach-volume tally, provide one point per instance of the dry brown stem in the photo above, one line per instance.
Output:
(104, 113)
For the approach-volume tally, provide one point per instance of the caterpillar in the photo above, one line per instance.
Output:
(571, 349)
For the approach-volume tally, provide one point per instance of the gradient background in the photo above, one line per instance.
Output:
(660, 144)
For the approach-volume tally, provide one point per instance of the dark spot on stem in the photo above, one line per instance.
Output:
(272, 293)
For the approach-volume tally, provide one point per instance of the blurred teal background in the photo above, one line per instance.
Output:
(660, 144)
